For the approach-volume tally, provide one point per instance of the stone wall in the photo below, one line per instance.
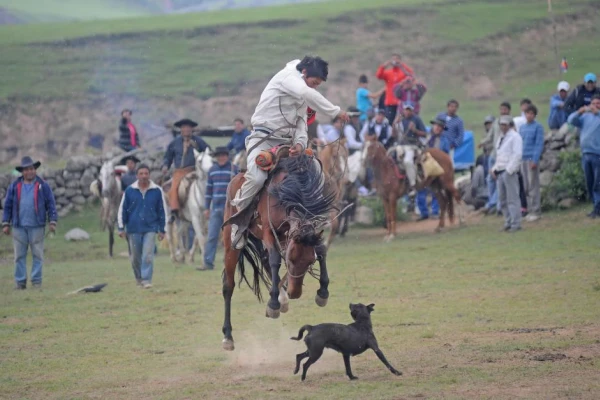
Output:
(71, 185)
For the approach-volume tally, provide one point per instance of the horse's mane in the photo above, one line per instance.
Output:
(304, 190)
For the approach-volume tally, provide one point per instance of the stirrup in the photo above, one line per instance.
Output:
(238, 237)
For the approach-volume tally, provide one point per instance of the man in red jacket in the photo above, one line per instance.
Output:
(392, 72)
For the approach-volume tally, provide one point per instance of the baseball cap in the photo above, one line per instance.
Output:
(505, 120)
(564, 85)
(488, 119)
(590, 76)
(408, 106)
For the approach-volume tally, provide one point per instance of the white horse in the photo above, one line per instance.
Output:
(108, 189)
(192, 212)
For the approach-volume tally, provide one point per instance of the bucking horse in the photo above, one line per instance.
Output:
(291, 210)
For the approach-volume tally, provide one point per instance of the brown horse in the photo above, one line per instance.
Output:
(334, 158)
(391, 185)
(292, 208)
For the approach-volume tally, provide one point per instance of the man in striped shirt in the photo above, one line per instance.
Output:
(219, 177)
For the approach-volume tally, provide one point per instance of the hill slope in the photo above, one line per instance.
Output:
(213, 65)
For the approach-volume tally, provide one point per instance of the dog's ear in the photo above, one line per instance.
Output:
(371, 307)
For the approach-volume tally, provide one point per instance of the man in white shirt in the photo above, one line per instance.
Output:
(509, 151)
(280, 118)
(521, 120)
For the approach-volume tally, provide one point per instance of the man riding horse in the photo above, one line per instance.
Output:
(180, 152)
(280, 118)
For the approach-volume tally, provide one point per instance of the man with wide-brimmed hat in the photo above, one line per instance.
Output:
(130, 176)
(219, 176)
(180, 153)
(28, 206)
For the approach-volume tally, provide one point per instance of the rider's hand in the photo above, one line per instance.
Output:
(52, 228)
(6, 230)
(161, 236)
(206, 214)
(296, 150)
(343, 115)
(122, 235)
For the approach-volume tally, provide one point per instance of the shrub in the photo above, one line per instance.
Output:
(568, 182)
(376, 205)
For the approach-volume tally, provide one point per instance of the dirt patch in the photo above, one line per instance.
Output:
(530, 330)
(481, 88)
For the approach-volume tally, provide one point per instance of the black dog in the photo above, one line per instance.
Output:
(349, 340)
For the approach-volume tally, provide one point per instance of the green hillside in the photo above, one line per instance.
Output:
(61, 10)
(457, 50)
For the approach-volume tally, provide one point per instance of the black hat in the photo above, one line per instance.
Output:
(27, 162)
(439, 122)
(353, 111)
(131, 157)
(221, 150)
(186, 122)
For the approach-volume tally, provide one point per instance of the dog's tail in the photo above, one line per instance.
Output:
(301, 332)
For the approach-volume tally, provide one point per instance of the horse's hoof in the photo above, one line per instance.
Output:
(272, 313)
(321, 302)
(228, 344)
(285, 307)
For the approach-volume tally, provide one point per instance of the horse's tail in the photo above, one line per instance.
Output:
(301, 332)
(255, 253)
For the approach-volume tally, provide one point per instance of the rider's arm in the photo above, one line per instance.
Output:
(209, 192)
(169, 155)
(296, 87)
(420, 128)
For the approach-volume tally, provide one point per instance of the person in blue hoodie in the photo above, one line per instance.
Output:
(587, 119)
(532, 133)
(142, 217)
(238, 139)
(29, 205)
(558, 115)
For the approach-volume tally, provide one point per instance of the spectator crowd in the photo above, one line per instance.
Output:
(505, 181)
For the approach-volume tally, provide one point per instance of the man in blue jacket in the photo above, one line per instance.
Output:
(558, 114)
(588, 120)
(238, 139)
(142, 216)
(532, 133)
(29, 205)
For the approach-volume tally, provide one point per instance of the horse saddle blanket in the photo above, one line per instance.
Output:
(430, 166)
(267, 160)
(183, 191)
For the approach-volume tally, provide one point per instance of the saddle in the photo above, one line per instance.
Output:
(184, 187)
(267, 160)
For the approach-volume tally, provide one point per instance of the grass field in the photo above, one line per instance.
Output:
(463, 314)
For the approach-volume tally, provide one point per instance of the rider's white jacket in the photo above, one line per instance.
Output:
(282, 107)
